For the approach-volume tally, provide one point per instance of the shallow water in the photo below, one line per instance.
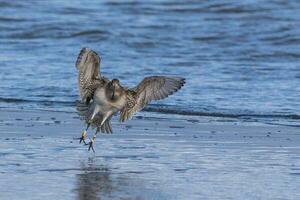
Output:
(140, 168)
(149, 158)
(239, 58)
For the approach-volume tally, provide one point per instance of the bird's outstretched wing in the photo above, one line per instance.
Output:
(151, 88)
(88, 64)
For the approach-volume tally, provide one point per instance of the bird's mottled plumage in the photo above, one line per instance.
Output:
(151, 88)
(101, 98)
(89, 78)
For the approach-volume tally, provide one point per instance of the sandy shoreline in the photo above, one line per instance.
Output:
(150, 157)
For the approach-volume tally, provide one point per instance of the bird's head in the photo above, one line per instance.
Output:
(114, 90)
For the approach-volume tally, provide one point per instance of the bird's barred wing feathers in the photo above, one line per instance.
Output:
(151, 88)
(88, 65)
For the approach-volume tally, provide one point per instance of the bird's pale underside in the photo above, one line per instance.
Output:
(101, 98)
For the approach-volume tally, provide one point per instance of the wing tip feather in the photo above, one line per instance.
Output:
(82, 54)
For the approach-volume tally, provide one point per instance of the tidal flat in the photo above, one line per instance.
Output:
(152, 156)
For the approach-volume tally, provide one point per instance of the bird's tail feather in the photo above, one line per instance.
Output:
(86, 111)
(106, 127)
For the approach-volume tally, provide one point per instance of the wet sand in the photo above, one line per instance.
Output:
(150, 157)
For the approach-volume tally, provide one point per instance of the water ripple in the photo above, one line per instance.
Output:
(239, 58)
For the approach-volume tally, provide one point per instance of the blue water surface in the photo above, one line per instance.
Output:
(240, 58)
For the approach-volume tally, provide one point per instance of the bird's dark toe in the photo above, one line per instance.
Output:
(91, 146)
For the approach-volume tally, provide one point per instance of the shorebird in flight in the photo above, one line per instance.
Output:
(101, 98)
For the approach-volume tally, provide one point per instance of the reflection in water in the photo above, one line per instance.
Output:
(97, 181)
(93, 180)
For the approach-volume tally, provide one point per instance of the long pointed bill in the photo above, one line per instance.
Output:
(113, 92)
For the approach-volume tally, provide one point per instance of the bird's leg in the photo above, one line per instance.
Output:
(83, 135)
(89, 122)
(103, 121)
(105, 118)
(92, 140)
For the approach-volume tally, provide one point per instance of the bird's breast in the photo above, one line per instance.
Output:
(101, 99)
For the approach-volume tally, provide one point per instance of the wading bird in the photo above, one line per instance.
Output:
(101, 98)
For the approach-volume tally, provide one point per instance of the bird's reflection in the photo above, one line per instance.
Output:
(99, 181)
(93, 180)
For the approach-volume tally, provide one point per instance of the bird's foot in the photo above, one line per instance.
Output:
(91, 143)
(91, 146)
(82, 138)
